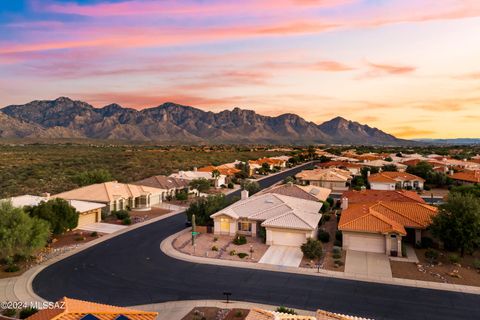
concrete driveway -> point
(368, 264)
(282, 256)
(101, 227)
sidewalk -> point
(20, 288)
(167, 248)
(176, 310)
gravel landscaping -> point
(221, 247)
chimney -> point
(244, 195)
(450, 172)
(344, 205)
(195, 169)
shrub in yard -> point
(476, 264)
(238, 314)
(12, 268)
(336, 249)
(338, 263)
(431, 255)
(427, 242)
(337, 243)
(283, 309)
(127, 221)
(338, 235)
(94, 234)
(242, 255)
(9, 312)
(215, 239)
(27, 312)
(80, 238)
(337, 256)
(239, 240)
(214, 248)
(181, 196)
(454, 258)
(122, 214)
(230, 185)
(323, 236)
(232, 253)
(326, 217)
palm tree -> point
(215, 174)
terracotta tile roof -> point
(259, 314)
(388, 176)
(228, 171)
(76, 309)
(331, 174)
(163, 182)
(311, 193)
(338, 164)
(379, 195)
(386, 216)
(107, 192)
(270, 161)
(469, 176)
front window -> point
(244, 226)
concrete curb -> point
(20, 288)
(167, 248)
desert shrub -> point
(9, 312)
(337, 243)
(283, 309)
(60, 215)
(338, 262)
(476, 264)
(323, 236)
(230, 185)
(427, 242)
(454, 258)
(27, 312)
(214, 248)
(12, 268)
(215, 239)
(239, 240)
(121, 214)
(338, 235)
(326, 217)
(238, 314)
(336, 249)
(336, 256)
(431, 255)
(181, 195)
(127, 221)
(94, 234)
(242, 255)
(79, 238)
(232, 253)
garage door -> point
(281, 238)
(364, 242)
(84, 219)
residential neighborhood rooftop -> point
(163, 182)
(310, 192)
(393, 176)
(354, 196)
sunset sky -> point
(411, 68)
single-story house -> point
(254, 165)
(287, 220)
(366, 196)
(333, 178)
(88, 212)
(226, 171)
(169, 184)
(354, 168)
(389, 180)
(73, 309)
(381, 163)
(195, 174)
(380, 226)
(117, 196)
(309, 192)
(466, 177)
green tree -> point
(289, 179)
(390, 167)
(423, 169)
(251, 186)
(215, 174)
(60, 215)
(458, 222)
(203, 207)
(473, 189)
(201, 184)
(93, 176)
(20, 234)
(312, 249)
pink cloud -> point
(390, 68)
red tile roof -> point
(390, 176)
(468, 176)
(382, 195)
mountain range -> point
(174, 123)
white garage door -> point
(285, 238)
(364, 242)
(84, 219)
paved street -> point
(131, 270)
